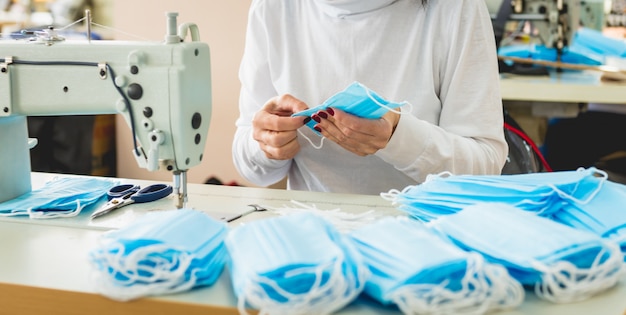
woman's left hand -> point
(360, 136)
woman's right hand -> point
(274, 128)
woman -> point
(439, 56)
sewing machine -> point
(163, 90)
(555, 21)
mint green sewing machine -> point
(163, 90)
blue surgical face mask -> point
(61, 197)
(294, 264)
(564, 264)
(356, 99)
(540, 193)
(602, 215)
(420, 272)
(161, 252)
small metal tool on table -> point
(255, 208)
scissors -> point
(123, 195)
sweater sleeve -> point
(469, 138)
(256, 86)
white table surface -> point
(43, 263)
(565, 87)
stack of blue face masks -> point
(357, 100)
(61, 197)
(161, 252)
(540, 193)
(603, 215)
(563, 263)
(421, 273)
(294, 264)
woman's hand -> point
(274, 128)
(360, 136)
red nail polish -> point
(318, 129)
(316, 118)
(323, 115)
(330, 111)
(306, 120)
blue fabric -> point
(61, 197)
(564, 263)
(598, 43)
(294, 263)
(161, 252)
(604, 215)
(540, 193)
(356, 99)
(413, 267)
(572, 54)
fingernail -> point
(330, 111)
(316, 118)
(318, 129)
(306, 120)
(323, 115)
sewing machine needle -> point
(180, 188)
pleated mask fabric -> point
(420, 272)
(562, 263)
(294, 264)
(162, 252)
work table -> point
(44, 265)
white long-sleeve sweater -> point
(441, 58)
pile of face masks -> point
(162, 252)
(421, 273)
(541, 193)
(583, 199)
(563, 263)
(62, 197)
(357, 100)
(294, 264)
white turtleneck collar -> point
(343, 8)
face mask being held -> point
(356, 99)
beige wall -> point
(222, 26)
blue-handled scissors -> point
(123, 195)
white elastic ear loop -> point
(311, 141)
(619, 238)
(564, 195)
(395, 195)
(506, 292)
(166, 276)
(34, 214)
(484, 287)
(564, 282)
(393, 110)
(129, 265)
(325, 298)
